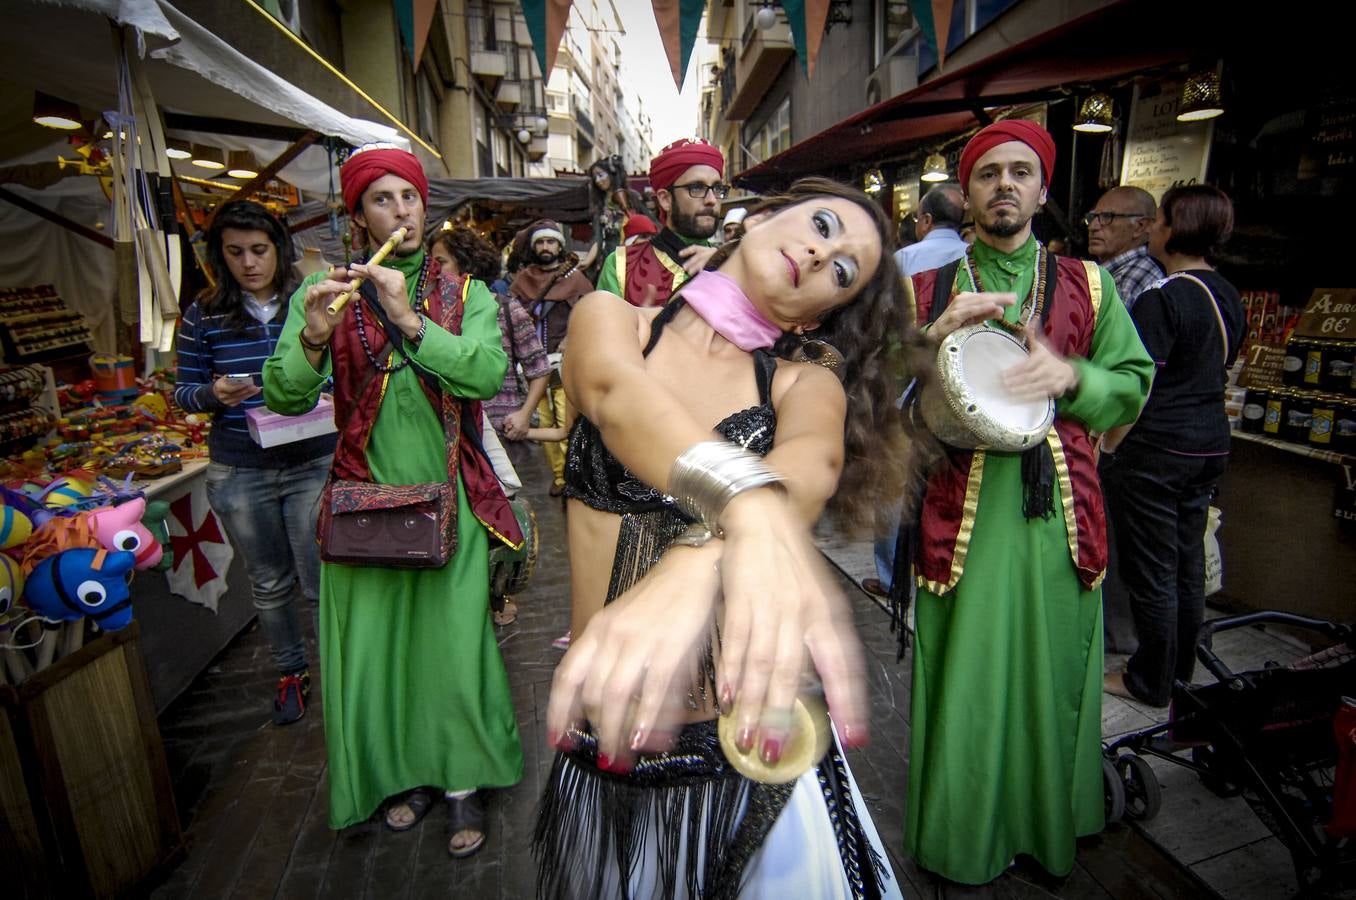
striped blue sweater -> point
(205, 350)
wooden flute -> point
(338, 304)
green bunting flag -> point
(546, 21)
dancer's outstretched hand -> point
(629, 671)
(779, 603)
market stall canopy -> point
(1111, 42)
(65, 49)
(516, 200)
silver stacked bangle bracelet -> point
(709, 474)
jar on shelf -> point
(1321, 419)
(1344, 427)
(1254, 410)
(1292, 368)
(1298, 412)
(1278, 404)
(1337, 366)
(1314, 355)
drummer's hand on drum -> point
(781, 604)
(627, 674)
(970, 309)
(320, 322)
(1044, 373)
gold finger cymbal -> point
(806, 745)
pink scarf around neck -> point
(723, 306)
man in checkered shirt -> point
(1118, 238)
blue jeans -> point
(269, 515)
(1157, 503)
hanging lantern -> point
(1095, 115)
(934, 168)
(873, 182)
(1200, 98)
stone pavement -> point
(253, 797)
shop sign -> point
(1330, 313)
(1264, 366)
(1344, 498)
(1161, 152)
(1331, 150)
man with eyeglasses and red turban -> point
(1005, 747)
(686, 177)
(415, 692)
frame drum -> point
(970, 407)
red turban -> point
(636, 224)
(1029, 133)
(681, 155)
(366, 166)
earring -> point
(821, 353)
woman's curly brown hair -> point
(475, 256)
(881, 349)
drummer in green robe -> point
(416, 699)
(1005, 749)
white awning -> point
(65, 48)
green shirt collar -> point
(1014, 263)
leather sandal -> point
(417, 801)
(465, 814)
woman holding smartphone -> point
(266, 498)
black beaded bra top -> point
(595, 476)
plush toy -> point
(82, 582)
(11, 587)
(156, 520)
(108, 527)
(15, 526)
(72, 490)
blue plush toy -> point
(82, 582)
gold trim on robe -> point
(1094, 273)
(967, 527)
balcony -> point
(508, 95)
(761, 58)
(489, 67)
(583, 120)
(536, 150)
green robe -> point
(1005, 747)
(414, 687)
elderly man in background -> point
(686, 177)
(1118, 238)
(936, 231)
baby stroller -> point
(1283, 736)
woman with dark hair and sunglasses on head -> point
(1160, 477)
(700, 458)
(266, 498)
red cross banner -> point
(202, 555)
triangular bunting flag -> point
(678, 21)
(806, 18)
(546, 21)
(934, 20)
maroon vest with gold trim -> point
(357, 399)
(949, 506)
(647, 265)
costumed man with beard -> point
(415, 692)
(1005, 753)
(548, 288)
(686, 178)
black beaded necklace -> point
(362, 329)
(1035, 300)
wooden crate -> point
(87, 802)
